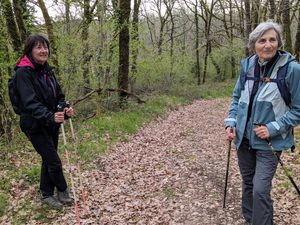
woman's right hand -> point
(230, 133)
(59, 117)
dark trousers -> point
(45, 143)
(257, 168)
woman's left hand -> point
(69, 111)
(262, 132)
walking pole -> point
(280, 162)
(78, 165)
(284, 168)
(227, 171)
(60, 109)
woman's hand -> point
(69, 111)
(262, 132)
(59, 117)
(230, 133)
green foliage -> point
(156, 75)
(5, 183)
(3, 203)
(223, 57)
(168, 192)
(208, 90)
(32, 174)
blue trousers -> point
(257, 168)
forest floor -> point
(172, 172)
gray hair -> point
(261, 29)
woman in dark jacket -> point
(40, 94)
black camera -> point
(62, 105)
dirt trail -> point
(172, 172)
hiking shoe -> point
(64, 197)
(52, 202)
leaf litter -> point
(172, 172)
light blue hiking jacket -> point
(268, 106)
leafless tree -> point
(88, 13)
(134, 41)
(6, 115)
(297, 38)
(193, 7)
(19, 11)
(124, 9)
(286, 25)
(11, 25)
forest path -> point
(172, 172)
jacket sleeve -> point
(60, 95)
(230, 121)
(29, 99)
(292, 117)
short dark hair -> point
(32, 41)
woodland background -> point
(137, 47)
(121, 62)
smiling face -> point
(266, 46)
(40, 53)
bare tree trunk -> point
(160, 38)
(205, 62)
(149, 24)
(248, 23)
(218, 76)
(11, 25)
(163, 18)
(297, 39)
(108, 67)
(19, 9)
(232, 59)
(169, 5)
(286, 25)
(101, 10)
(172, 44)
(272, 9)
(197, 46)
(85, 51)
(88, 12)
(255, 13)
(206, 16)
(123, 49)
(240, 9)
(67, 15)
(6, 114)
(112, 46)
(135, 42)
(52, 38)
(184, 37)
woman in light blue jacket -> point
(259, 97)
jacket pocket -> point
(28, 124)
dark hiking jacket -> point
(39, 94)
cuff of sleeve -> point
(230, 122)
(50, 121)
(273, 128)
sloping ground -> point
(173, 172)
